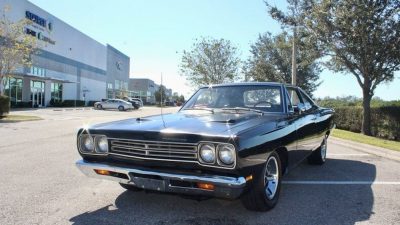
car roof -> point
(246, 84)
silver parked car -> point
(119, 104)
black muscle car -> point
(230, 141)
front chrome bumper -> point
(225, 187)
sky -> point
(154, 33)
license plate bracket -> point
(149, 183)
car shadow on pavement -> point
(298, 204)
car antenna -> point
(161, 101)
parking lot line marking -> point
(341, 182)
(348, 154)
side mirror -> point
(299, 109)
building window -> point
(110, 94)
(13, 89)
(109, 86)
(37, 71)
(117, 84)
(56, 92)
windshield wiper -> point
(207, 109)
(237, 109)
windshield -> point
(265, 98)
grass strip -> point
(348, 135)
(18, 118)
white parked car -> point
(119, 104)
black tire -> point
(136, 106)
(130, 187)
(99, 106)
(318, 157)
(256, 199)
(121, 108)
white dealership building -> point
(69, 64)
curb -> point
(374, 150)
(71, 109)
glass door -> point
(37, 93)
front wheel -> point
(264, 194)
(318, 157)
(99, 107)
(121, 108)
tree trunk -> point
(366, 123)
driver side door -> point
(304, 124)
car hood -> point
(205, 124)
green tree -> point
(292, 20)
(270, 61)
(361, 37)
(210, 61)
(160, 94)
(181, 98)
(16, 47)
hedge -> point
(4, 105)
(21, 105)
(385, 120)
(67, 103)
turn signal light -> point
(205, 186)
(250, 177)
(102, 172)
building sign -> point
(43, 23)
(36, 19)
(118, 65)
(40, 36)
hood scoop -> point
(224, 121)
(231, 119)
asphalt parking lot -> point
(41, 185)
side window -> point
(288, 102)
(307, 101)
(293, 96)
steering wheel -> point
(258, 103)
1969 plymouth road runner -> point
(228, 141)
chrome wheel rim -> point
(271, 178)
(323, 150)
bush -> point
(71, 103)
(385, 120)
(21, 104)
(67, 103)
(4, 105)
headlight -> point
(207, 153)
(86, 143)
(101, 144)
(226, 154)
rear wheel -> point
(130, 187)
(264, 194)
(318, 157)
(121, 108)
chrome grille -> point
(154, 150)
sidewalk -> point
(374, 150)
(51, 109)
